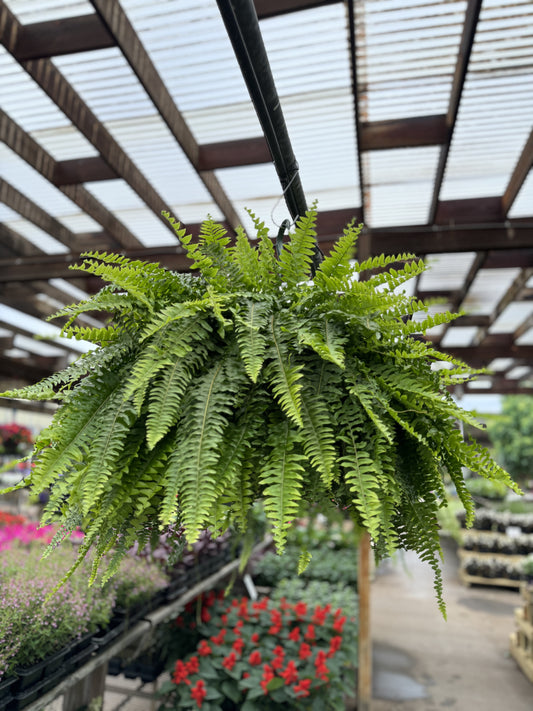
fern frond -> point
(337, 266)
(281, 481)
(250, 329)
(283, 377)
(317, 436)
(326, 340)
(297, 256)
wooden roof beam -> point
(40, 160)
(520, 173)
(82, 170)
(67, 35)
(116, 21)
(404, 133)
(473, 9)
(229, 154)
(272, 8)
(470, 211)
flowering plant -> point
(260, 655)
(15, 439)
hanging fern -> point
(250, 381)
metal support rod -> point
(242, 26)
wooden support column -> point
(85, 690)
(364, 682)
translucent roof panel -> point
(37, 327)
(523, 205)
(186, 42)
(223, 123)
(28, 181)
(519, 372)
(499, 364)
(401, 185)
(406, 55)
(101, 75)
(446, 272)
(512, 317)
(64, 143)
(487, 289)
(128, 207)
(154, 150)
(28, 11)
(24, 101)
(33, 345)
(459, 337)
(494, 118)
(36, 236)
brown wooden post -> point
(364, 682)
(84, 691)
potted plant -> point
(249, 380)
(265, 655)
(15, 439)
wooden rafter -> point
(404, 133)
(119, 26)
(271, 8)
(473, 9)
(34, 154)
(520, 173)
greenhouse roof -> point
(415, 118)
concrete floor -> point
(423, 663)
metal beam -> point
(42, 40)
(404, 133)
(126, 38)
(522, 168)
(352, 32)
(473, 9)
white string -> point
(279, 200)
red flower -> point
(310, 632)
(229, 661)
(199, 692)
(338, 624)
(255, 658)
(305, 651)
(224, 619)
(294, 634)
(205, 614)
(321, 657)
(302, 688)
(179, 621)
(322, 672)
(193, 665)
(268, 675)
(334, 645)
(260, 604)
(255, 637)
(274, 630)
(219, 638)
(245, 675)
(320, 615)
(238, 645)
(204, 650)
(279, 651)
(180, 672)
(277, 663)
(290, 674)
(300, 609)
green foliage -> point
(333, 566)
(486, 488)
(512, 436)
(250, 381)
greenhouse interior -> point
(266, 345)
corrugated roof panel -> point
(64, 143)
(190, 48)
(24, 101)
(512, 317)
(80, 222)
(28, 11)
(488, 287)
(401, 185)
(446, 272)
(519, 372)
(456, 337)
(34, 346)
(500, 364)
(523, 205)
(107, 84)
(31, 183)
(128, 207)
(154, 150)
(36, 236)
(494, 118)
(526, 339)
(223, 123)
(406, 56)
(37, 327)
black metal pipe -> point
(242, 26)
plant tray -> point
(490, 582)
(521, 658)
